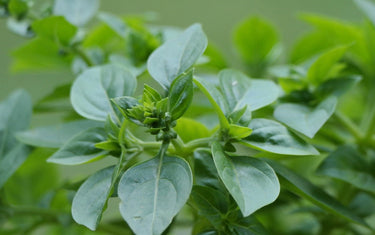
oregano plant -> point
(182, 138)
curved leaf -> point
(273, 137)
(91, 198)
(153, 192)
(252, 182)
(77, 12)
(92, 90)
(177, 55)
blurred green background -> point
(218, 18)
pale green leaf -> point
(77, 12)
(190, 129)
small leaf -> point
(177, 55)
(153, 192)
(251, 182)
(239, 132)
(18, 8)
(368, 8)
(115, 23)
(320, 69)
(55, 136)
(347, 164)
(273, 137)
(77, 12)
(80, 148)
(92, 90)
(190, 129)
(56, 29)
(304, 119)
(302, 187)
(91, 198)
(180, 95)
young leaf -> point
(115, 23)
(77, 12)
(92, 90)
(153, 192)
(273, 137)
(368, 8)
(348, 165)
(251, 182)
(55, 136)
(304, 188)
(190, 129)
(320, 69)
(91, 198)
(239, 132)
(80, 148)
(55, 28)
(177, 55)
(304, 119)
(180, 95)
(255, 39)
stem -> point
(81, 53)
(198, 143)
(349, 125)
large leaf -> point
(205, 173)
(251, 182)
(55, 136)
(177, 55)
(273, 137)
(92, 90)
(153, 192)
(77, 12)
(304, 119)
(91, 198)
(80, 148)
(367, 7)
(190, 129)
(304, 188)
(347, 164)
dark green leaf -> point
(153, 192)
(180, 95)
(273, 137)
(91, 198)
(92, 90)
(77, 12)
(55, 136)
(177, 55)
(337, 86)
(347, 164)
(304, 119)
(252, 183)
(18, 8)
(247, 226)
(80, 148)
(205, 173)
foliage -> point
(199, 142)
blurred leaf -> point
(105, 38)
(22, 28)
(55, 28)
(216, 58)
(115, 23)
(190, 129)
(302, 187)
(273, 137)
(368, 8)
(18, 8)
(177, 55)
(80, 148)
(55, 136)
(91, 198)
(363, 204)
(251, 182)
(347, 164)
(77, 12)
(247, 226)
(304, 119)
(92, 90)
(337, 86)
(153, 192)
(255, 40)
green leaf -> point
(347, 164)
(321, 68)
(56, 29)
(180, 95)
(205, 173)
(302, 187)
(115, 23)
(77, 12)
(247, 226)
(239, 132)
(91, 198)
(273, 137)
(92, 90)
(368, 8)
(80, 148)
(177, 55)
(153, 192)
(304, 119)
(21, 28)
(18, 8)
(337, 86)
(251, 182)
(11, 161)
(55, 136)
(190, 129)
(255, 40)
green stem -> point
(198, 143)
(349, 125)
(81, 53)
